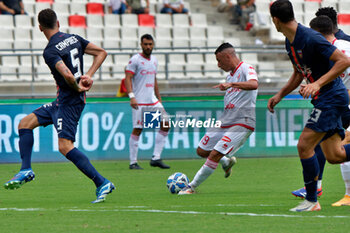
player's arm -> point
(128, 85)
(99, 56)
(69, 77)
(293, 82)
(251, 84)
(156, 90)
(341, 63)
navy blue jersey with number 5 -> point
(70, 49)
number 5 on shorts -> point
(59, 124)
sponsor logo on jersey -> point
(229, 106)
(146, 72)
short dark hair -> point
(283, 10)
(223, 46)
(47, 18)
(322, 24)
(330, 12)
(147, 37)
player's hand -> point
(223, 86)
(309, 90)
(273, 101)
(133, 103)
(85, 83)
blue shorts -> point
(326, 120)
(345, 118)
(64, 117)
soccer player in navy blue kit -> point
(64, 56)
(320, 64)
(340, 35)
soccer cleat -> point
(187, 190)
(158, 163)
(102, 191)
(135, 166)
(228, 168)
(345, 201)
(20, 179)
(302, 192)
(307, 206)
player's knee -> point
(64, 148)
(303, 149)
(27, 122)
(202, 153)
(335, 160)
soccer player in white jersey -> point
(237, 120)
(324, 25)
(142, 88)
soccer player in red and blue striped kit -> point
(320, 64)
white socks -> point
(206, 170)
(319, 184)
(345, 171)
(159, 144)
(133, 148)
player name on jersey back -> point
(67, 42)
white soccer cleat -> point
(307, 206)
(228, 168)
(187, 190)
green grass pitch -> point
(256, 198)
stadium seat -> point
(41, 6)
(77, 8)
(181, 20)
(77, 21)
(197, 37)
(38, 36)
(5, 46)
(43, 73)
(210, 58)
(78, 31)
(330, 3)
(215, 32)
(161, 72)
(6, 21)
(266, 69)
(193, 71)
(195, 58)
(177, 59)
(344, 19)
(310, 6)
(164, 20)
(298, 7)
(212, 71)
(250, 58)
(95, 35)
(182, 44)
(180, 33)
(61, 8)
(47, 1)
(146, 20)
(38, 45)
(121, 60)
(163, 44)
(199, 20)
(129, 20)
(21, 44)
(129, 33)
(25, 73)
(176, 71)
(29, 6)
(145, 30)
(94, 8)
(118, 72)
(161, 59)
(111, 34)
(163, 33)
(6, 34)
(23, 21)
(112, 45)
(94, 21)
(214, 42)
(129, 44)
(10, 60)
(236, 42)
(23, 34)
(106, 72)
(112, 21)
(8, 73)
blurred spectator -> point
(135, 7)
(173, 7)
(12, 7)
(241, 12)
(116, 6)
(226, 6)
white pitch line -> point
(177, 212)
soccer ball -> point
(176, 182)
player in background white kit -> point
(142, 88)
(237, 120)
(323, 24)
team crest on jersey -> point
(300, 53)
(226, 139)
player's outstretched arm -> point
(69, 77)
(293, 82)
(99, 56)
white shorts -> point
(227, 141)
(137, 114)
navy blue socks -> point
(26, 141)
(311, 170)
(82, 162)
(321, 160)
(347, 150)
